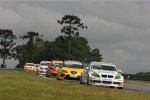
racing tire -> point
(58, 78)
(81, 82)
(112, 87)
(88, 80)
(120, 88)
(47, 75)
(37, 73)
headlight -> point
(63, 71)
(118, 76)
(95, 74)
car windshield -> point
(74, 65)
(103, 67)
(30, 64)
(57, 64)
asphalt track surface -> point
(130, 86)
(139, 87)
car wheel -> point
(120, 87)
(112, 87)
(46, 75)
(37, 73)
(88, 80)
(81, 82)
(58, 78)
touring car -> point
(30, 67)
(53, 68)
(42, 68)
(102, 74)
(70, 69)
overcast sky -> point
(120, 29)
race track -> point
(131, 86)
(140, 87)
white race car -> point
(102, 74)
(42, 68)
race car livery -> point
(71, 69)
(30, 67)
(42, 68)
(102, 74)
(57, 63)
(53, 68)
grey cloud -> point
(27, 18)
(133, 14)
(119, 29)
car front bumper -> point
(69, 76)
(42, 72)
(108, 82)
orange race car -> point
(53, 68)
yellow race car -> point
(30, 67)
(70, 70)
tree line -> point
(69, 45)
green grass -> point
(17, 85)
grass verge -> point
(17, 85)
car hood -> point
(72, 69)
(43, 66)
(29, 66)
(105, 72)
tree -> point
(143, 73)
(39, 49)
(80, 48)
(20, 55)
(22, 52)
(30, 44)
(56, 49)
(71, 25)
(94, 55)
(6, 45)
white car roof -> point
(102, 63)
(45, 62)
(72, 62)
(57, 61)
(30, 63)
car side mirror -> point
(119, 71)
